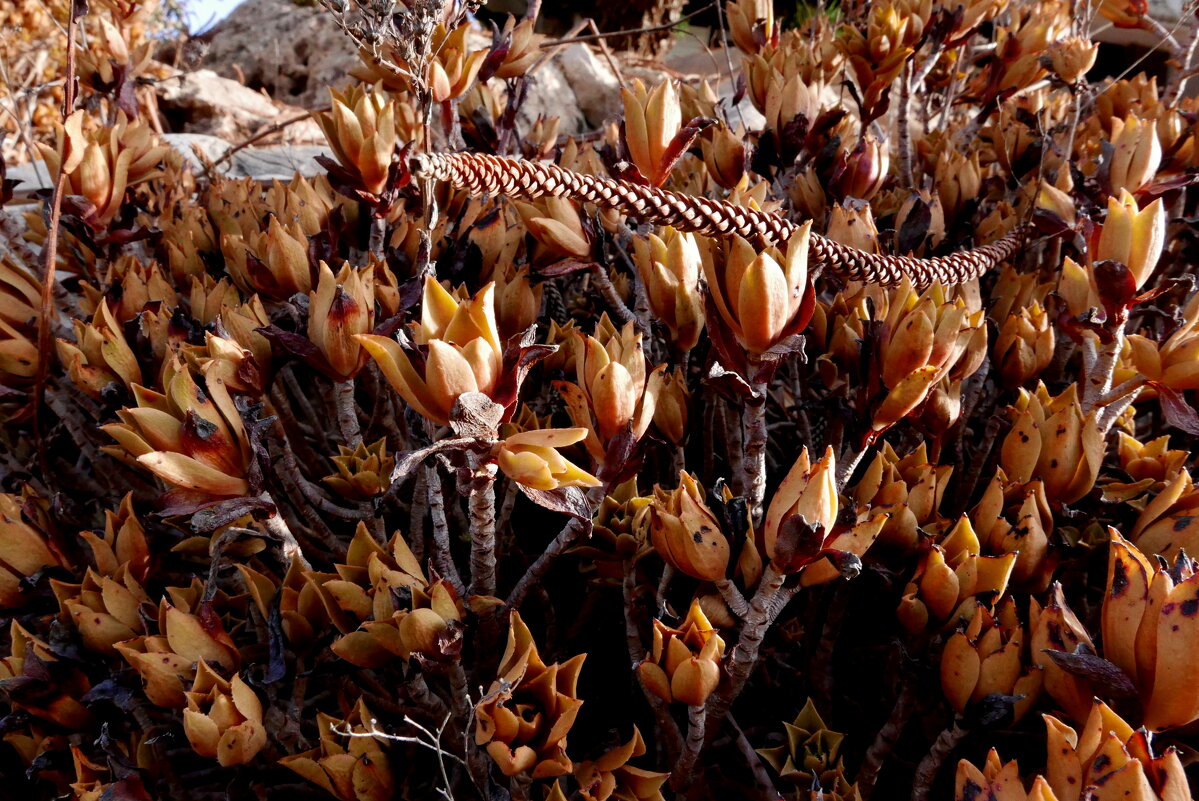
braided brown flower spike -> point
(512, 177)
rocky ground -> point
(259, 72)
(255, 76)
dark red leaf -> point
(773, 358)
(729, 384)
(1117, 288)
(1178, 412)
(1105, 676)
(566, 267)
(566, 500)
(681, 142)
(914, 228)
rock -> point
(293, 52)
(551, 95)
(210, 147)
(596, 89)
(277, 162)
(204, 102)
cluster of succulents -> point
(364, 485)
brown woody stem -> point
(903, 134)
(733, 598)
(885, 741)
(762, 780)
(477, 763)
(615, 302)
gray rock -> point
(281, 163)
(596, 89)
(550, 95)
(204, 102)
(293, 52)
(210, 147)
(30, 177)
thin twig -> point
(263, 134)
(566, 538)
(762, 780)
(591, 37)
(51, 257)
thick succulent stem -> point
(904, 136)
(930, 766)
(347, 415)
(733, 598)
(753, 420)
(1102, 369)
(682, 775)
(763, 609)
(482, 532)
(378, 238)
(443, 559)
